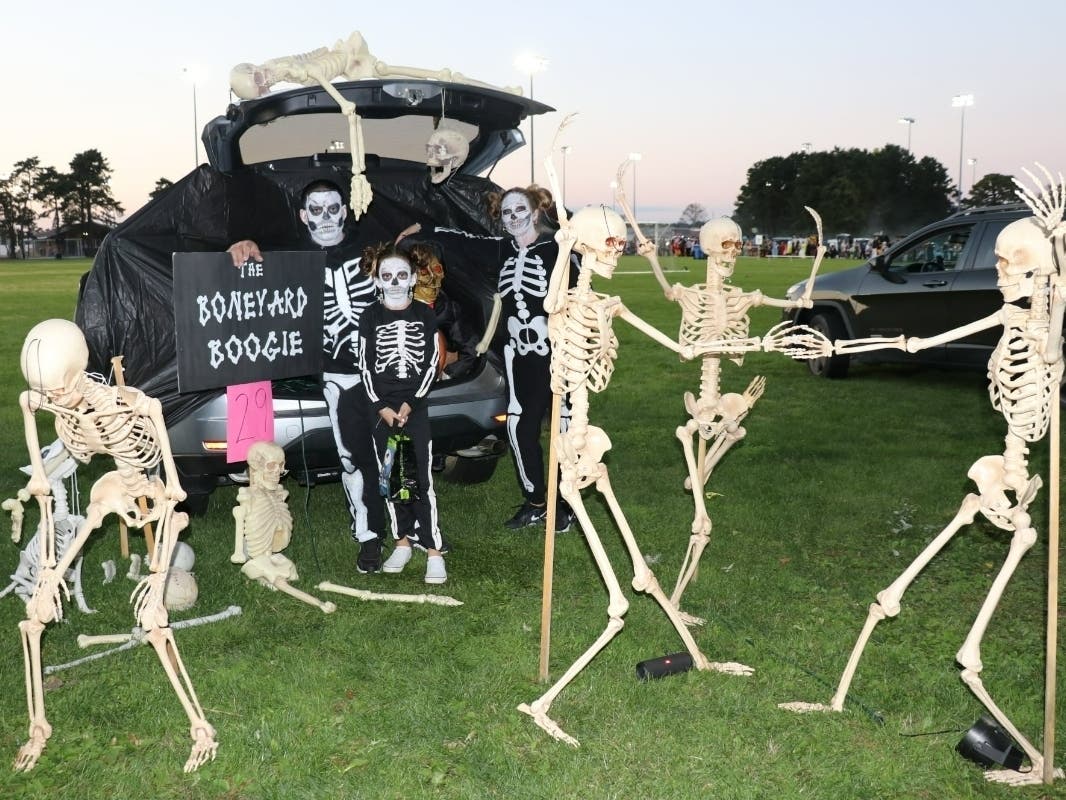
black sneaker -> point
(369, 559)
(564, 518)
(527, 514)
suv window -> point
(985, 258)
(935, 253)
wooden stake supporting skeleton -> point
(264, 526)
(1024, 371)
(584, 349)
(124, 424)
(351, 60)
(715, 316)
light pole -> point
(531, 64)
(973, 171)
(635, 157)
(806, 147)
(613, 185)
(961, 101)
(908, 121)
(566, 148)
(190, 74)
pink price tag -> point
(249, 418)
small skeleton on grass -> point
(715, 317)
(1023, 371)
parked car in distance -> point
(262, 152)
(938, 278)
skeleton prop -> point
(1024, 372)
(446, 151)
(715, 315)
(363, 594)
(134, 638)
(127, 426)
(59, 465)
(350, 60)
(264, 526)
(584, 349)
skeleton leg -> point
(152, 616)
(701, 523)
(43, 607)
(887, 604)
(616, 609)
(969, 656)
(283, 585)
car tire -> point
(466, 469)
(836, 366)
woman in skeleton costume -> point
(526, 259)
(348, 292)
(398, 353)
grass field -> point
(835, 489)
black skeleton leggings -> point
(424, 510)
(529, 386)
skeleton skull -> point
(249, 81)
(396, 282)
(266, 463)
(1023, 253)
(721, 240)
(323, 214)
(600, 238)
(446, 150)
(54, 358)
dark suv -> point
(936, 279)
(262, 152)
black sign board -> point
(250, 323)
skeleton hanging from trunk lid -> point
(122, 423)
(714, 315)
(1023, 372)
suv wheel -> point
(835, 366)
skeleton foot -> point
(803, 708)
(203, 748)
(31, 751)
(1013, 777)
(690, 619)
(731, 668)
(549, 725)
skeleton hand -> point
(244, 251)
(1049, 205)
(797, 341)
(15, 506)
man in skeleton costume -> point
(1023, 371)
(526, 258)
(398, 353)
(348, 292)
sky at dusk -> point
(701, 89)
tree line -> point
(34, 192)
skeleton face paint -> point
(396, 282)
(323, 214)
(518, 218)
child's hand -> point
(403, 414)
(388, 416)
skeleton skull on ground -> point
(446, 151)
(54, 358)
(323, 213)
(1023, 254)
(266, 463)
(395, 281)
(600, 235)
(721, 240)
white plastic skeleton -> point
(715, 316)
(584, 349)
(124, 424)
(59, 466)
(351, 60)
(1023, 371)
(264, 526)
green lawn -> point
(835, 489)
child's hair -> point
(320, 185)
(422, 256)
(539, 199)
(374, 254)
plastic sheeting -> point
(125, 305)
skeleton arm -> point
(240, 516)
(645, 247)
(914, 344)
(557, 284)
(686, 352)
(1053, 346)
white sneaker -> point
(398, 560)
(435, 572)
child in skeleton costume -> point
(526, 259)
(398, 354)
(348, 291)
(1025, 368)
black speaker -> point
(663, 666)
(988, 744)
